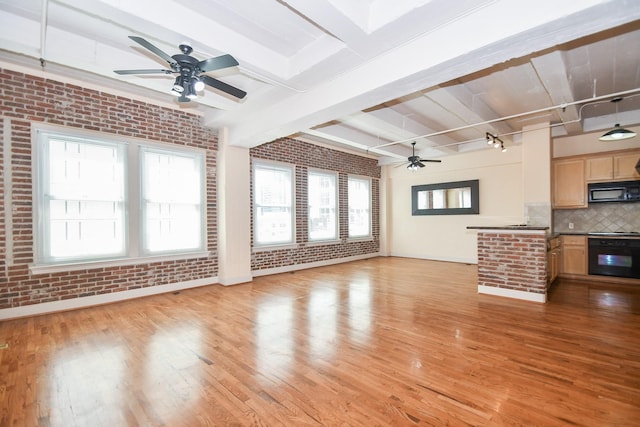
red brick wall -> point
(25, 99)
(514, 261)
(304, 156)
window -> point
(82, 199)
(322, 212)
(359, 207)
(273, 204)
(171, 201)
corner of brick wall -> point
(514, 261)
(304, 156)
(27, 99)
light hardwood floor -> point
(380, 342)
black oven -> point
(614, 257)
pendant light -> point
(617, 133)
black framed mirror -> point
(446, 198)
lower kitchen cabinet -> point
(574, 255)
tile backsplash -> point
(538, 214)
(604, 217)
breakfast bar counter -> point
(512, 261)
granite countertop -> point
(600, 233)
(507, 227)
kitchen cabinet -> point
(569, 188)
(624, 166)
(571, 175)
(574, 255)
(553, 259)
(598, 169)
(616, 167)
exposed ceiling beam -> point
(401, 71)
(551, 70)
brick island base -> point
(513, 262)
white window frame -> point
(76, 197)
(276, 166)
(336, 208)
(173, 200)
(133, 252)
(353, 178)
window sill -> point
(324, 242)
(76, 266)
(360, 239)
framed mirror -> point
(447, 198)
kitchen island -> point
(512, 261)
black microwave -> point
(625, 191)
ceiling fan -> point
(415, 162)
(189, 71)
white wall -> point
(445, 237)
(589, 143)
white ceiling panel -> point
(357, 74)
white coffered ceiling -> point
(369, 75)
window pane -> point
(322, 206)
(273, 209)
(82, 194)
(172, 208)
(359, 207)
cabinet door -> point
(574, 255)
(554, 264)
(624, 166)
(569, 187)
(599, 169)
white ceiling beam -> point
(332, 137)
(394, 126)
(551, 69)
(407, 68)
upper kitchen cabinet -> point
(599, 169)
(571, 175)
(569, 189)
(624, 166)
(612, 167)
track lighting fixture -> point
(617, 133)
(495, 141)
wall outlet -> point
(570, 226)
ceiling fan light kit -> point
(190, 79)
(415, 162)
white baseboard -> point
(82, 302)
(512, 293)
(229, 281)
(295, 267)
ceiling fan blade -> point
(217, 84)
(123, 72)
(142, 42)
(183, 98)
(223, 61)
(432, 161)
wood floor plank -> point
(379, 342)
